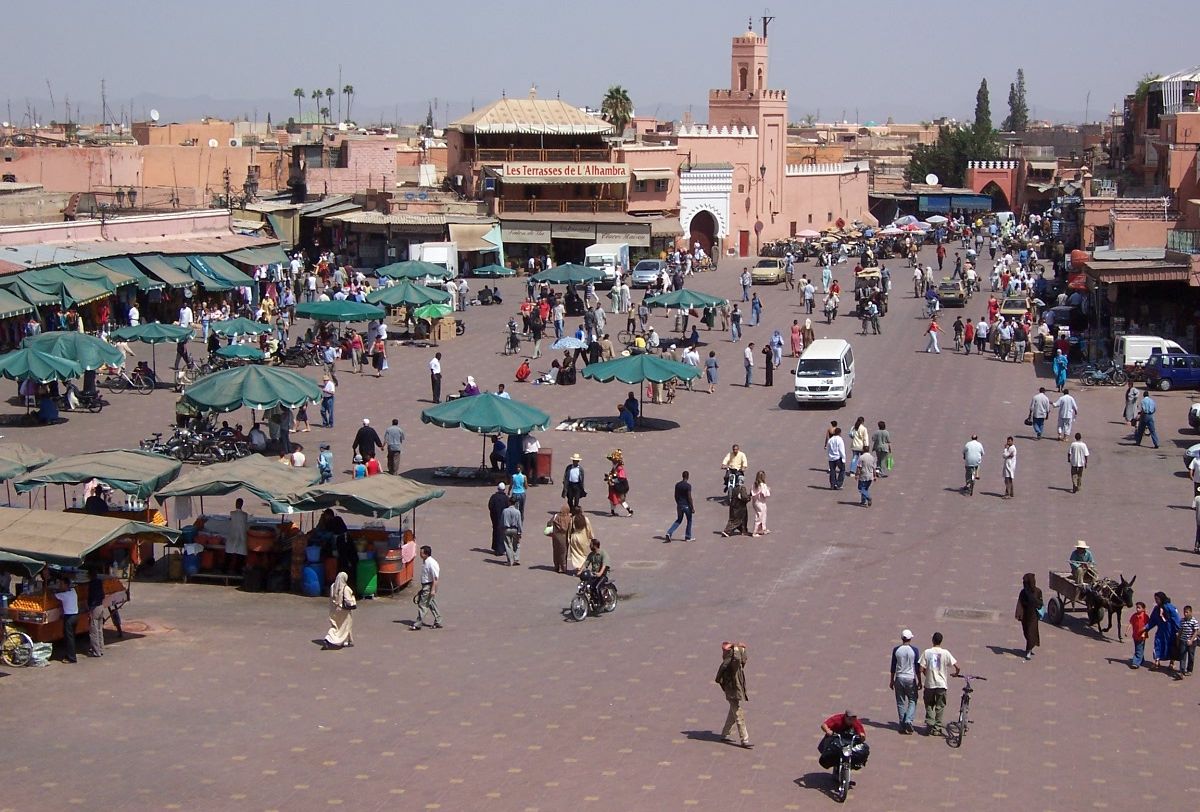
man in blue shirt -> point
(1146, 420)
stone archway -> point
(703, 230)
(999, 199)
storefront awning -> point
(126, 266)
(1127, 271)
(12, 305)
(636, 234)
(526, 233)
(574, 231)
(157, 266)
(472, 237)
(220, 269)
(263, 255)
(653, 174)
(666, 227)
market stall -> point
(486, 414)
(66, 542)
(17, 459)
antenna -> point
(51, 96)
(766, 20)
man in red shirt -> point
(941, 255)
(845, 722)
(968, 337)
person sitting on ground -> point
(626, 416)
(652, 340)
(360, 469)
(551, 376)
(258, 439)
(469, 387)
(523, 371)
(632, 406)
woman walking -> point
(618, 484)
(1060, 370)
(517, 489)
(797, 341)
(1028, 614)
(560, 526)
(807, 336)
(579, 539)
(1164, 620)
(1131, 405)
(379, 357)
(860, 440)
(759, 495)
(710, 370)
(341, 614)
(738, 516)
(1009, 455)
(776, 345)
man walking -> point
(972, 459)
(731, 676)
(835, 452)
(936, 663)
(684, 507)
(1146, 420)
(435, 376)
(573, 485)
(328, 389)
(905, 680)
(745, 280)
(881, 445)
(510, 520)
(366, 440)
(866, 471)
(1077, 458)
(749, 363)
(1068, 410)
(1039, 410)
(393, 440)
(426, 600)
(810, 297)
(497, 504)
(1010, 466)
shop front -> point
(1158, 297)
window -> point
(829, 217)
(792, 229)
(741, 188)
(742, 72)
(639, 186)
(661, 185)
(810, 219)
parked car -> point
(1016, 306)
(952, 293)
(768, 272)
(1173, 370)
(646, 273)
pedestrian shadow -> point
(822, 782)
(1178, 549)
(1003, 651)
(851, 503)
(704, 736)
(1062, 488)
(995, 494)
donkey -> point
(1107, 595)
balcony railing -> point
(561, 206)
(1184, 240)
(499, 156)
(1143, 208)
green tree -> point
(299, 94)
(1018, 108)
(948, 156)
(983, 108)
(328, 102)
(316, 97)
(617, 109)
(349, 91)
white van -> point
(825, 371)
(607, 256)
(1131, 350)
(438, 253)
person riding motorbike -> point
(594, 571)
(733, 467)
(833, 728)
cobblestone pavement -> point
(222, 700)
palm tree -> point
(617, 109)
(316, 97)
(349, 91)
(325, 113)
(328, 102)
(299, 94)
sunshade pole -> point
(64, 487)
(45, 499)
(483, 453)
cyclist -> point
(594, 571)
(959, 327)
(833, 727)
(734, 463)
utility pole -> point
(766, 20)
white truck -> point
(608, 255)
(438, 253)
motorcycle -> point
(1109, 374)
(584, 603)
(733, 478)
(843, 752)
(91, 400)
(300, 355)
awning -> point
(252, 226)
(280, 228)
(137, 473)
(220, 268)
(665, 227)
(126, 266)
(380, 497)
(574, 231)
(653, 174)
(65, 538)
(526, 233)
(12, 305)
(34, 296)
(329, 211)
(263, 255)
(209, 283)
(1044, 165)
(472, 236)
(636, 234)
(262, 476)
(1116, 276)
(95, 272)
(158, 267)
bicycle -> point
(955, 737)
(122, 380)
(17, 647)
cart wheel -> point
(1054, 611)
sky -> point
(862, 61)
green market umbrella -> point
(640, 368)
(252, 386)
(243, 352)
(87, 350)
(262, 476)
(339, 310)
(487, 414)
(31, 364)
(239, 327)
(685, 298)
(380, 497)
(493, 271)
(153, 332)
(569, 273)
(413, 269)
(408, 293)
(432, 311)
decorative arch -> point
(999, 199)
(717, 216)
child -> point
(1137, 624)
(302, 417)
(1188, 629)
(360, 470)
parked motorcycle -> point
(1105, 374)
(91, 401)
(584, 603)
(300, 355)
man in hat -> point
(845, 722)
(1083, 563)
(573, 484)
(731, 676)
(366, 440)
(328, 388)
(496, 505)
(905, 680)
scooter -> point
(1110, 375)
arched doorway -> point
(703, 230)
(999, 199)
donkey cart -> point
(1096, 597)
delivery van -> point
(438, 253)
(1128, 351)
(825, 372)
(607, 256)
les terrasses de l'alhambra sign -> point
(565, 172)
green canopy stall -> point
(413, 269)
(336, 311)
(137, 473)
(486, 414)
(252, 386)
(638, 369)
(262, 476)
(380, 497)
(232, 328)
(569, 273)
(29, 363)
(88, 351)
(408, 293)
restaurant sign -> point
(565, 172)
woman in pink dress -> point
(759, 495)
(797, 343)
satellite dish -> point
(154, 115)
(5, 124)
(213, 143)
(931, 179)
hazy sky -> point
(911, 60)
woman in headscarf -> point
(1060, 370)
(341, 614)
(738, 515)
(759, 495)
(579, 540)
(560, 528)
(797, 339)
(776, 345)
(1131, 404)
(469, 387)
(1029, 607)
(1164, 620)
(807, 335)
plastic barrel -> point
(310, 582)
(191, 563)
(312, 553)
(367, 578)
